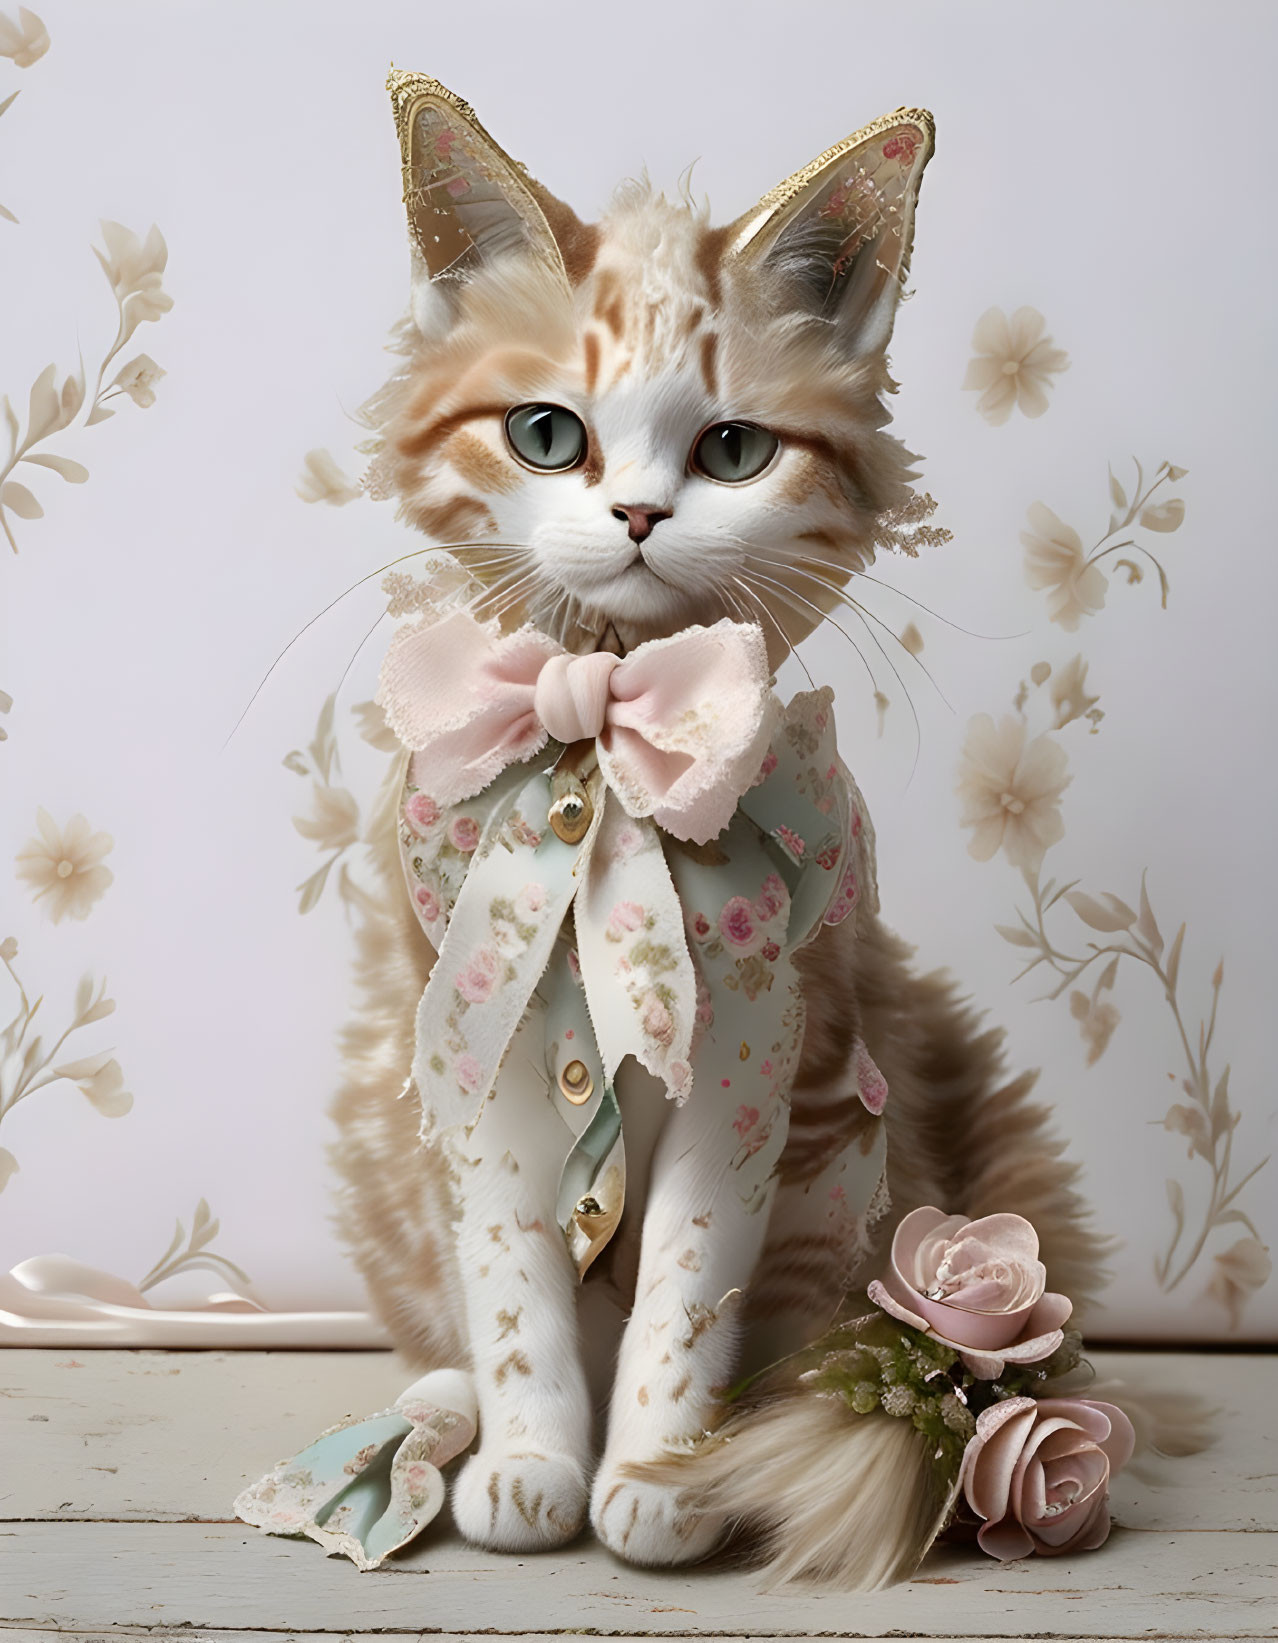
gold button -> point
(588, 1208)
(570, 816)
(576, 1083)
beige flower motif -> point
(1097, 1020)
(1011, 790)
(335, 823)
(8, 949)
(1239, 1272)
(1054, 559)
(135, 268)
(101, 1080)
(1069, 693)
(8, 1167)
(25, 41)
(321, 480)
(1013, 365)
(137, 379)
(65, 864)
(370, 721)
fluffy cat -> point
(706, 439)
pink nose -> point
(640, 520)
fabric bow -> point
(681, 724)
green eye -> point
(546, 436)
(734, 451)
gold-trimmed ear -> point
(844, 224)
(467, 201)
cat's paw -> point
(519, 1501)
(644, 1523)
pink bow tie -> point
(682, 724)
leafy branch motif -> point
(24, 43)
(26, 1066)
(1207, 1121)
(193, 1254)
(334, 822)
(1011, 791)
(1076, 584)
(135, 269)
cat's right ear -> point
(468, 202)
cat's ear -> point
(841, 229)
(468, 202)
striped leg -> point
(526, 1486)
(705, 1223)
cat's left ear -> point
(841, 229)
(468, 202)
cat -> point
(623, 430)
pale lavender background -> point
(1108, 165)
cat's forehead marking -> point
(649, 301)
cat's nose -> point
(640, 520)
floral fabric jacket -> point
(630, 941)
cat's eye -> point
(546, 437)
(733, 452)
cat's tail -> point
(824, 1496)
(394, 1197)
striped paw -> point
(519, 1501)
(643, 1522)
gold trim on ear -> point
(757, 230)
(409, 94)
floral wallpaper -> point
(1054, 711)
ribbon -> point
(681, 724)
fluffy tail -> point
(828, 1496)
(394, 1194)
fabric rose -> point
(1038, 1472)
(977, 1286)
(421, 813)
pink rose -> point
(476, 982)
(532, 898)
(793, 844)
(770, 762)
(773, 898)
(871, 1085)
(700, 927)
(464, 833)
(625, 917)
(626, 841)
(844, 903)
(738, 928)
(977, 1286)
(771, 951)
(746, 1119)
(679, 1081)
(657, 1021)
(467, 1072)
(829, 856)
(1038, 1472)
(427, 903)
(421, 813)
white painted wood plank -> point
(122, 1633)
(93, 1576)
(161, 1435)
(176, 1435)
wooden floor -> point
(117, 1470)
